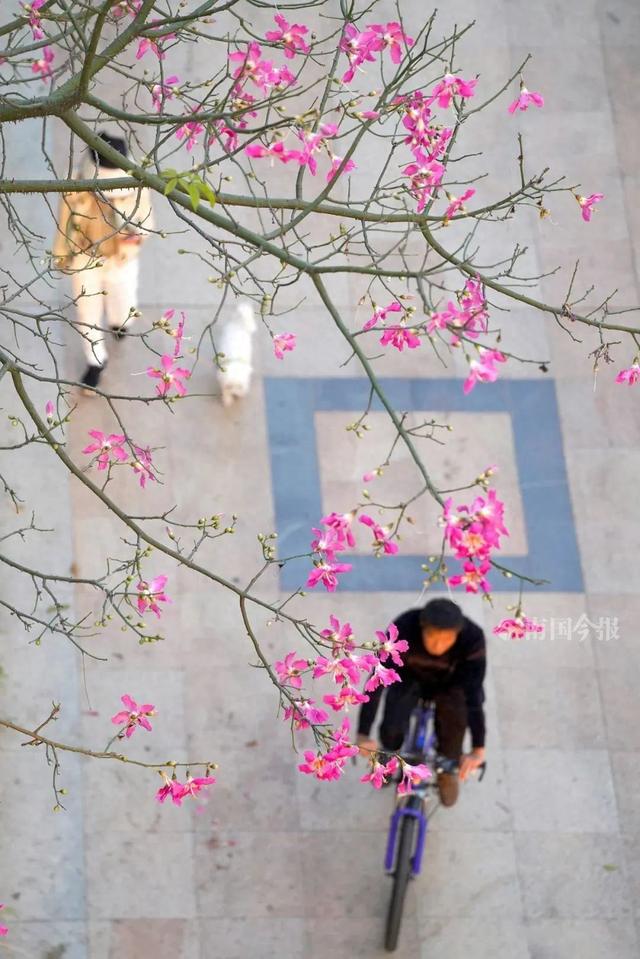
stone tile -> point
(258, 875)
(617, 617)
(269, 938)
(356, 893)
(600, 418)
(41, 871)
(469, 875)
(606, 540)
(556, 790)
(562, 88)
(454, 459)
(572, 876)
(120, 798)
(556, 23)
(359, 937)
(620, 704)
(621, 68)
(589, 939)
(165, 938)
(619, 22)
(631, 846)
(542, 710)
(46, 940)
(444, 938)
(484, 805)
(145, 859)
(626, 779)
(562, 643)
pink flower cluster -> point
(517, 628)
(380, 773)
(3, 929)
(483, 370)
(262, 73)
(161, 92)
(336, 537)
(398, 335)
(468, 317)
(283, 343)
(312, 145)
(110, 449)
(428, 142)
(178, 791)
(154, 44)
(473, 532)
(133, 716)
(362, 46)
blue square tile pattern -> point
(532, 405)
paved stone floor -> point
(541, 861)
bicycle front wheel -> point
(401, 878)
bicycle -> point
(409, 820)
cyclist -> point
(445, 663)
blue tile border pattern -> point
(291, 403)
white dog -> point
(234, 373)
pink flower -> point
(107, 447)
(524, 101)
(381, 676)
(473, 577)
(336, 162)
(483, 370)
(379, 774)
(43, 66)
(142, 465)
(282, 343)
(170, 375)
(178, 333)
(390, 645)
(290, 34)
(340, 523)
(391, 38)
(426, 174)
(348, 696)
(412, 776)
(50, 411)
(189, 132)
(3, 929)
(630, 376)
(276, 151)
(317, 764)
(325, 573)
(380, 535)
(358, 48)
(151, 593)
(400, 336)
(161, 92)
(171, 788)
(449, 87)
(327, 541)
(193, 787)
(473, 531)
(289, 670)
(31, 10)
(155, 44)
(457, 203)
(368, 477)
(517, 628)
(312, 143)
(343, 748)
(587, 203)
(133, 715)
(305, 713)
(339, 635)
(380, 314)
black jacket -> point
(461, 666)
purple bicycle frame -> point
(417, 743)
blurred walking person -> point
(98, 242)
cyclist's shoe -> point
(448, 787)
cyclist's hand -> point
(470, 762)
(366, 745)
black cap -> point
(116, 143)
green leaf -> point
(171, 185)
(169, 173)
(610, 867)
(208, 193)
(193, 189)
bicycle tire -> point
(401, 876)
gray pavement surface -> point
(541, 861)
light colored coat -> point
(91, 227)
